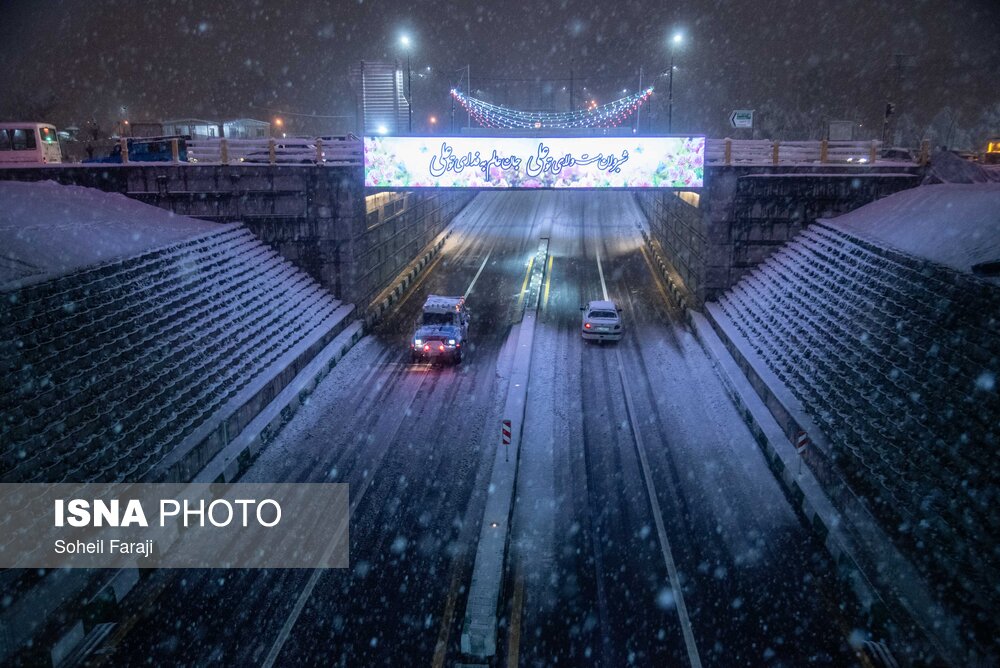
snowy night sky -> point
(797, 63)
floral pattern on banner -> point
(515, 162)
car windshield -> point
(603, 315)
(437, 319)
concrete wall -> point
(744, 214)
(681, 231)
(315, 216)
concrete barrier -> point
(479, 628)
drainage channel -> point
(479, 628)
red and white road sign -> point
(801, 441)
(505, 432)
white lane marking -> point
(600, 270)
(668, 556)
(475, 278)
(300, 603)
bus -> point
(29, 143)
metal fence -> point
(348, 151)
(824, 152)
(334, 151)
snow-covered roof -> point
(957, 225)
(439, 304)
(602, 305)
(190, 121)
(47, 230)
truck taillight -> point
(586, 325)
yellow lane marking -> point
(524, 285)
(441, 650)
(514, 640)
(548, 283)
(657, 279)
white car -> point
(602, 321)
(287, 151)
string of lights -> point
(611, 114)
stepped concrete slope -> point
(134, 345)
(890, 361)
(951, 224)
(48, 230)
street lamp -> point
(674, 42)
(404, 41)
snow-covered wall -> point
(314, 216)
(744, 214)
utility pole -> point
(571, 84)
(409, 85)
(638, 109)
(899, 61)
(670, 96)
(468, 81)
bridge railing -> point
(824, 152)
(348, 151)
(333, 151)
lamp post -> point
(674, 41)
(405, 42)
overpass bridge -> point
(421, 468)
(312, 206)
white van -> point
(29, 143)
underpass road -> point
(758, 587)
(587, 583)
(410, 438)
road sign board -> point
(741, 118)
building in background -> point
(246, 128)
(193, 127)
(382, 105)
(145, 129)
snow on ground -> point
(47, 230)
(957, 225)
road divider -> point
(482, 609)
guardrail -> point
(348, 151)
(332, 151)
(824, 152)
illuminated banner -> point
(534, 162)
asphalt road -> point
(588, 582)
(588, 565)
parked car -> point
(900, 154)
(147, 149)
(289, 151)
(601, 321)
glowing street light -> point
(675, 41)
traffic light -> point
(889, 109)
